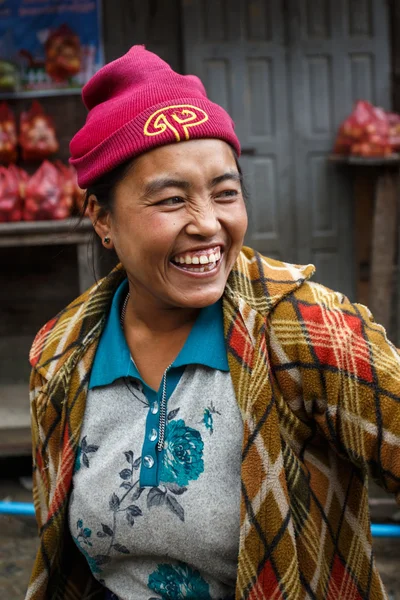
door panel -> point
(333, 49)
(289, 73)
(138, 22)
(242, 64)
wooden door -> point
(238, 50)
(338, 53)
(288, 73)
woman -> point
(204, 418)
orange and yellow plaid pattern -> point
(318, 385)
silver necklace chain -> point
(163, 404)
(123, 311)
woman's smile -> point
(203, 263)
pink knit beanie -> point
(137, 103)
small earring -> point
(106, 240)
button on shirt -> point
(151, 523)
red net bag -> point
(71, 187)
(8, 135)
(67, 186)
(10, 200)
(63, 54)
(44, 195)
(394, 131)
(22, 177)
(365, 132)
(375, 140)
(37, 134)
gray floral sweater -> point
(160, 524)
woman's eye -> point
(171, 201)
(227, 194)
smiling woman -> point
(182, 203)
(204, 417)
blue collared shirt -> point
(205, 345)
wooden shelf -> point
(14, 406)
(376, 190)
(15, 427)
(20, 94)
(364, 161)
(15, 432)
(45, 233)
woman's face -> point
(178, 223)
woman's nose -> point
(204, 223)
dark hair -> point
(104, 188)
(245, 192)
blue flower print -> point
(178, 582)
(208, 419)
(77, 464)
(82, 540)
(183, 454)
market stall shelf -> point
(48, 233)
(364, 161)
(15, 433)
(376, 194)
(45, 265)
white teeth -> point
(201, 259)
(208, 267)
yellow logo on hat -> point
(175, 117)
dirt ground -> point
(18, 544)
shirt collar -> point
(205, 344)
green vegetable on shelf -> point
(8, 76)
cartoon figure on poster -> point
(63, 57)
(63, 54)
(48, 45)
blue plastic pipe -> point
(25, 509)
(382, 530)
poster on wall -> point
(48, 46)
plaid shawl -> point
(318, 386)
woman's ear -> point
(101, 221)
